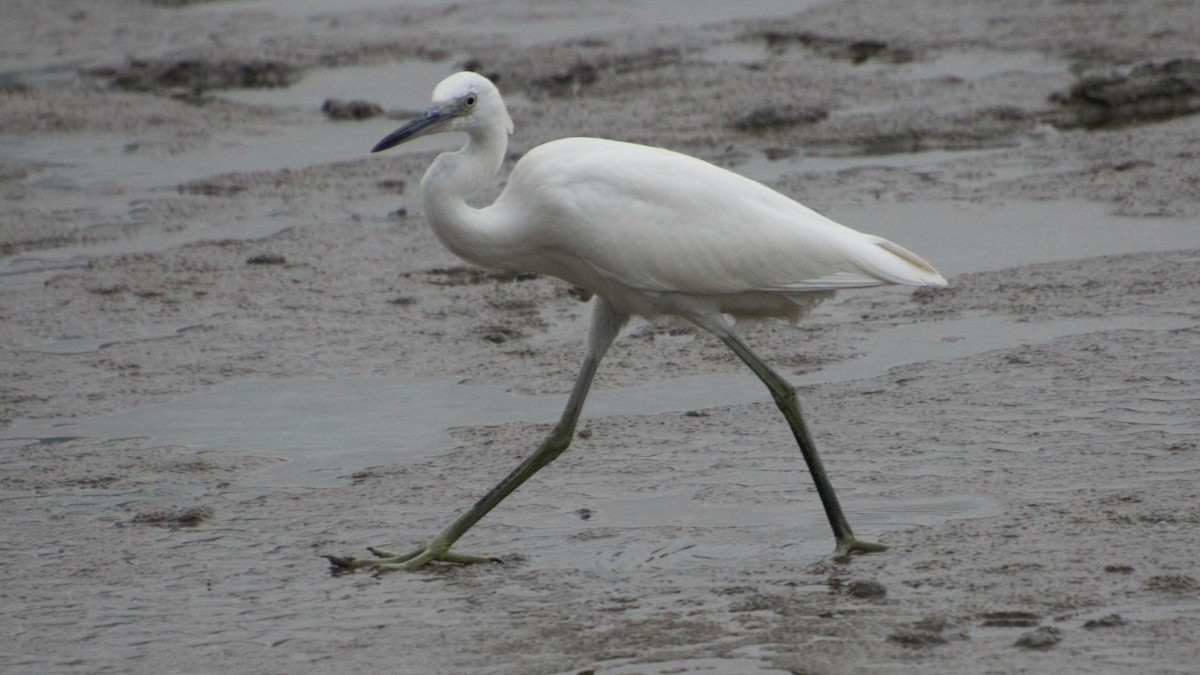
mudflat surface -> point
(230, 344)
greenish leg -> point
(606, 323)
(785, 399)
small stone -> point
(266, 259)
(1010, 619)
(1042, 637)
(1109, 621)
(337, 109)
(174, 518)
(865, 588)
(917, 638)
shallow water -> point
(395, 86)
(960, 238)
(327, 429)
(553, 23)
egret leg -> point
(787, 402)
(606, 323)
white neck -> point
(470, 233)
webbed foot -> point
(388, 561)
(851, 545)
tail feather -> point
(894, 263)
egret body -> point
(650, 232)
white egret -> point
(650, 232)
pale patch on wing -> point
(833, 282)
(908, 256)
(892, 263)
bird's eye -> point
(469, 101)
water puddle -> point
(527, 23)
(330, 428)
(975, 65)
(402, 86)
(535, 22)
(310, 9)
(63, 164)
(974, 238)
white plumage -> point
(645, 223)
(650, 232)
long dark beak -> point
(431, 121)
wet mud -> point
(1147, 93)
(194, 77)
(231, 345)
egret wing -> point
(656, 220)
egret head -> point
(464, 101)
